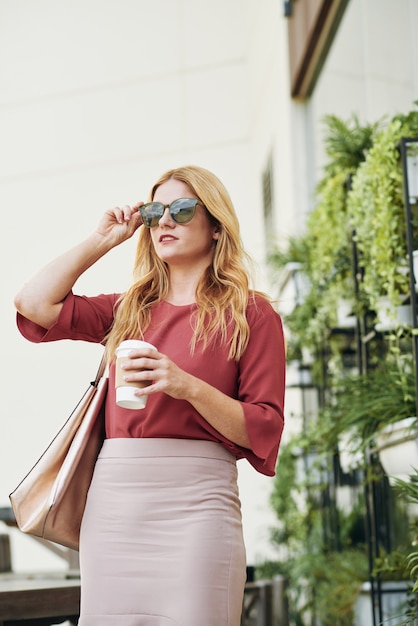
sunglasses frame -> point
(149, 222)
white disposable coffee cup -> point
(125, 391)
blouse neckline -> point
(192, 305)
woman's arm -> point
(222, 412)
(40, 299)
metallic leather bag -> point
(50, 500)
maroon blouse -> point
(257, 380)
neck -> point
(183, 285)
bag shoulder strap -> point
(100, 371)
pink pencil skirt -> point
(161, 540)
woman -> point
(161, 541)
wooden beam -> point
(311, 31)
(40, 596)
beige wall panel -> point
(64, 46)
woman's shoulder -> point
(260, 309)
(259, 302)
(264, 321)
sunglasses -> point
(181, 211)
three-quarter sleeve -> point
(261, 386)
(81, 318)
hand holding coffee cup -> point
(125, 391)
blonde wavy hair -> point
(223, 291)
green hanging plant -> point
(376, 212)
(329, 263)
(324, 252)
(329, 235)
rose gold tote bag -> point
(50, 500)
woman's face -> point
(187, 245)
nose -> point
(166, 219)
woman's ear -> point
(216, 232)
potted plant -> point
(397, 446)
(360, 408)
(390, 316)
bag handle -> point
(100, 371)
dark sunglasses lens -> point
(182, 210)
(151, 213)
